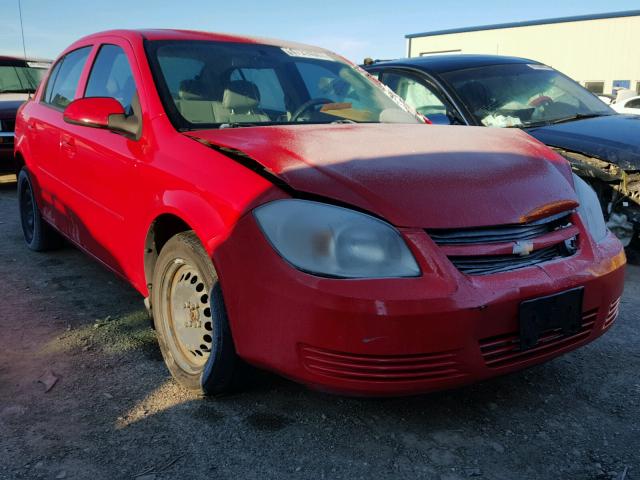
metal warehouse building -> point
(600, 51)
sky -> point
(355, 29)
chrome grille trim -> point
(500, 233)
(484, 265)
(473, 250)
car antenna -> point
(24, 46)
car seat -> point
(240, 103)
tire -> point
(190, 317)
(38, 234)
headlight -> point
(589, 209)
(333, 241)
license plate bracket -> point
(561, 311)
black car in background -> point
(18, 79)
(602, 145)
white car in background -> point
(628, 105)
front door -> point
(102, 164)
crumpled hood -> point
(613, 138)
(412, 175)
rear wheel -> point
(190, 317)
(38, 234)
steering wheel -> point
(541, 101)
(307, 105)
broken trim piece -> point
(591, 166)
(618, 179)
(618, 191)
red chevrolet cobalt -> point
(276, 206)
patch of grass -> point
(111, 335)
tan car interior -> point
(240, 103)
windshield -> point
(214, 84)
(521, 95)
(15, 79)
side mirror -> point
(92, 112)
(101, 112)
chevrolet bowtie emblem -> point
(522, 248)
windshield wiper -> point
(570, 118)
(578, 116)
(240, 124)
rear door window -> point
(65, 75)
(111, 76)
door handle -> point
(68, 144)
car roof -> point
(172, 34)
(448, 63)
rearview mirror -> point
(102, 112)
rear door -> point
(45, 126)
(102, 164)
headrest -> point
(190, 90)
(241, 94)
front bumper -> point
(402, 336)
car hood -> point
(9, 108)
(613, 138)
(412, 175)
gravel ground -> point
(114, 412)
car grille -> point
(504, 350)
(498, 234)
(486, 264)
(382, 368)
(456, 242)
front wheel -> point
(190, 317)
(38, 234)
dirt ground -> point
(114, 412)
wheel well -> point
(18, 162)
(162, 229)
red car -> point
(276, 206)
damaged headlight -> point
(334, 241)
(589, 209)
